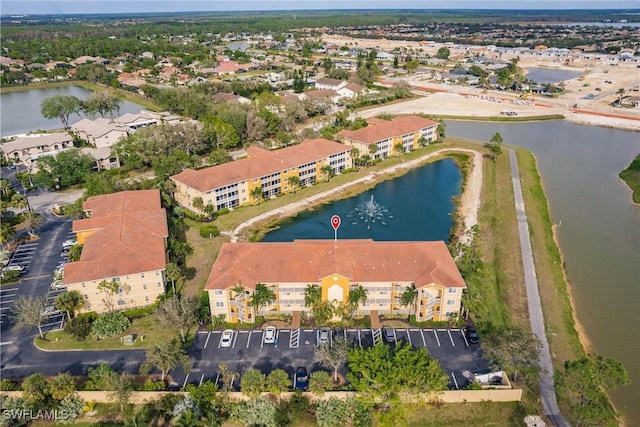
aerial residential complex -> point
(384, 269)
(124, 240)
(389, 135)
(231, 184)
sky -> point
(11, 7)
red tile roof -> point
(308, 261)
(259, 163)
(130, 238)
(379, 129)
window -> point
(146, 299)
(217, 292)
(121, 302)
(144, 286)
(451, 302)
(142, 275)
(116, 279)
(86, 296)
(219, 304)
(452, 290)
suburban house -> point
(327, 83)
(24, 148)
(124, 240)
(384, 269)
(390, 137)
(351, 90)
(233, 184)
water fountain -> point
(369, 212)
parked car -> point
(323, 335)
(14, 267)
(270, 334)
(302, 378)
(471, 334)
(49, 310)
(388, 335)
(227, 336)
(57, 284)
(67, 244)
(338, 331)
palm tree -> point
(355, 154)
(398, 148)
(409, 297)
(312, 295)
(4, 186)
(239, 297)
(294, 181)
(256, 193)
(373, 149)
(322, 312)
(327, 170)
(173, 273)
(357, 296)
(262, 297)
(69, 302)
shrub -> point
(223, 211)
(151, 385)
(110, 324)
(8, 385)
(136, 313)
(80, 327)
(208, 231)
(10, 276)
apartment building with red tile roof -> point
(384, 269)
(230, 185)
(391, 137)
(124, 240)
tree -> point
(409, 297)
(109, 289)
(101, 103)
(355, 156)
(32, 222)
(443, 53)
(357, 296)
(226, 376)
(322, 312)
(29, 312)
(110, 324)
(320, 382)
(165, 356)
(69, 167)
(278, 382)
(333, 356)
(294, 182)
(327, 170)
(373, 149)
(441, 131)
(178, 312)
(205, 396)
(61, 107)
(513, 348)
(398, 148)
(173, 273)
(69, 302)
(582, 384)
(299, 81)
(620, 93)
(62, 386)
(262, 297)
(198, 203)
(312, 295)
(35, 390)
(495, 145)
(395, 62)
(365, 159)
(252, 383)
(256, 193)
(220, 133)
(411, 66)
(385, 371)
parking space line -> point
(185, 381)
(207, 341)
(464, 338)
(8, 295)
(359, 339)
(450, 337)
(436, 335)
(249, 339)
(294, 338)
(235, 337)
(204, 332)
(408, 336)
(455, 382)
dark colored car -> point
(388, 335)
(471, 334)
(338, 331)
(302, 378)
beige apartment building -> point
(124, 238)
(232, 184)
(384, 269)
(390, 137)
(24, 149)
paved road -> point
(547, 388)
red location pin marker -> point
(335, 222)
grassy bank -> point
(631, 176)
(502, 118)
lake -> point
(395, 213)
(599, 233)
(548, 75)
(20, 111)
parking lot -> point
(295, 348)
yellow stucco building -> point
(384, 269)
